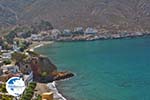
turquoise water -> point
(105, 70)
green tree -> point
(44, 74)
(10, 37)
(17, 56)
(42, 26)
(7, 62)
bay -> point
(105, 70)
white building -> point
(28, 78)
(15, 47)
(67, 32)
(36, 37)
(55, 33)
(90, 30)
(79, 30)
(6, 55)
(0, 47)
(10, 68)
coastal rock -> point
(45, 71)
(42, 67)
(62, 75)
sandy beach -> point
(37, 44)
(49, 87)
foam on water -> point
(57, 95)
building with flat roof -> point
(47, 96)
(10, 68)
(90, 30)
(6, 55)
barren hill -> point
(107, 14)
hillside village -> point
(18, 59)
(26, 24)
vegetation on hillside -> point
(3, 90)
(41, 26)
(17, 56)
(29, 92)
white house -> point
(90, 30)
(79, 30)
(19, 34)
(36, 37)
(6, 55)
(0, 47)
(10, 68)
(55, 33)
(15, 47)
(67, 32)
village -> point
(17, 58)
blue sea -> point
(105, 69)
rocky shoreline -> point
(56, 76)
(101, 36)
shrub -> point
(32, 86)
(25, 97)
(29, 92)
(42, 26)
(3, 88)
(39, 97)
(18, 56)
(34, 54)
(33, 83)
(7, 62)
(5, 97)
(44, 74)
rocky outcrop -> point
(62, 75)
(42, 67)
(45, 71)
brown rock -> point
(62, 75)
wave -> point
(40, 45)
(53, 88)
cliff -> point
(45, 71)
(42, 68)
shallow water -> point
(105, 70)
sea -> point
(117, 69)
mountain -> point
(129, 15)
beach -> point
(57, 94)
(37, 44)
(49, 87)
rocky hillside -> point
(102, 14)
